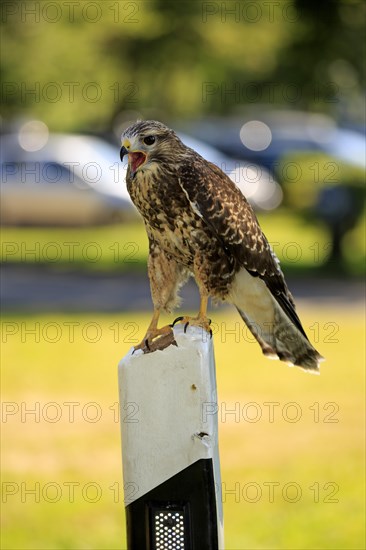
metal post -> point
(171, 467)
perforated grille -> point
(169, 529)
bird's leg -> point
(153, 332)
(201, 320)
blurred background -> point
(274, 94)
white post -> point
(170, 455)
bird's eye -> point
(149, 140)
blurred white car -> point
(70, 180)
(64, 179)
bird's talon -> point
(176, 321)
(210, 334)
(199, 321)
(155, 338)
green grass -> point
(300, 246)
(111, 247)
(319, 455)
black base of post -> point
(180, 513)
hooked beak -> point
(123, 152)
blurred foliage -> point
(88, 61)
(324, 190)
(303, 175)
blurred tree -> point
(76, 65)
(326, 55)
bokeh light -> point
(33, 135)
(256, 135)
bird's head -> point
(146, 143)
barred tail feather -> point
(277, 335)
(284, 342)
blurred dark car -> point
(255, 182)
(263, 136)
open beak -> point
(135, 159)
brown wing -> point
(223, 207)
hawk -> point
(199, 223)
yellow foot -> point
(203, 322)
(159, 338)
